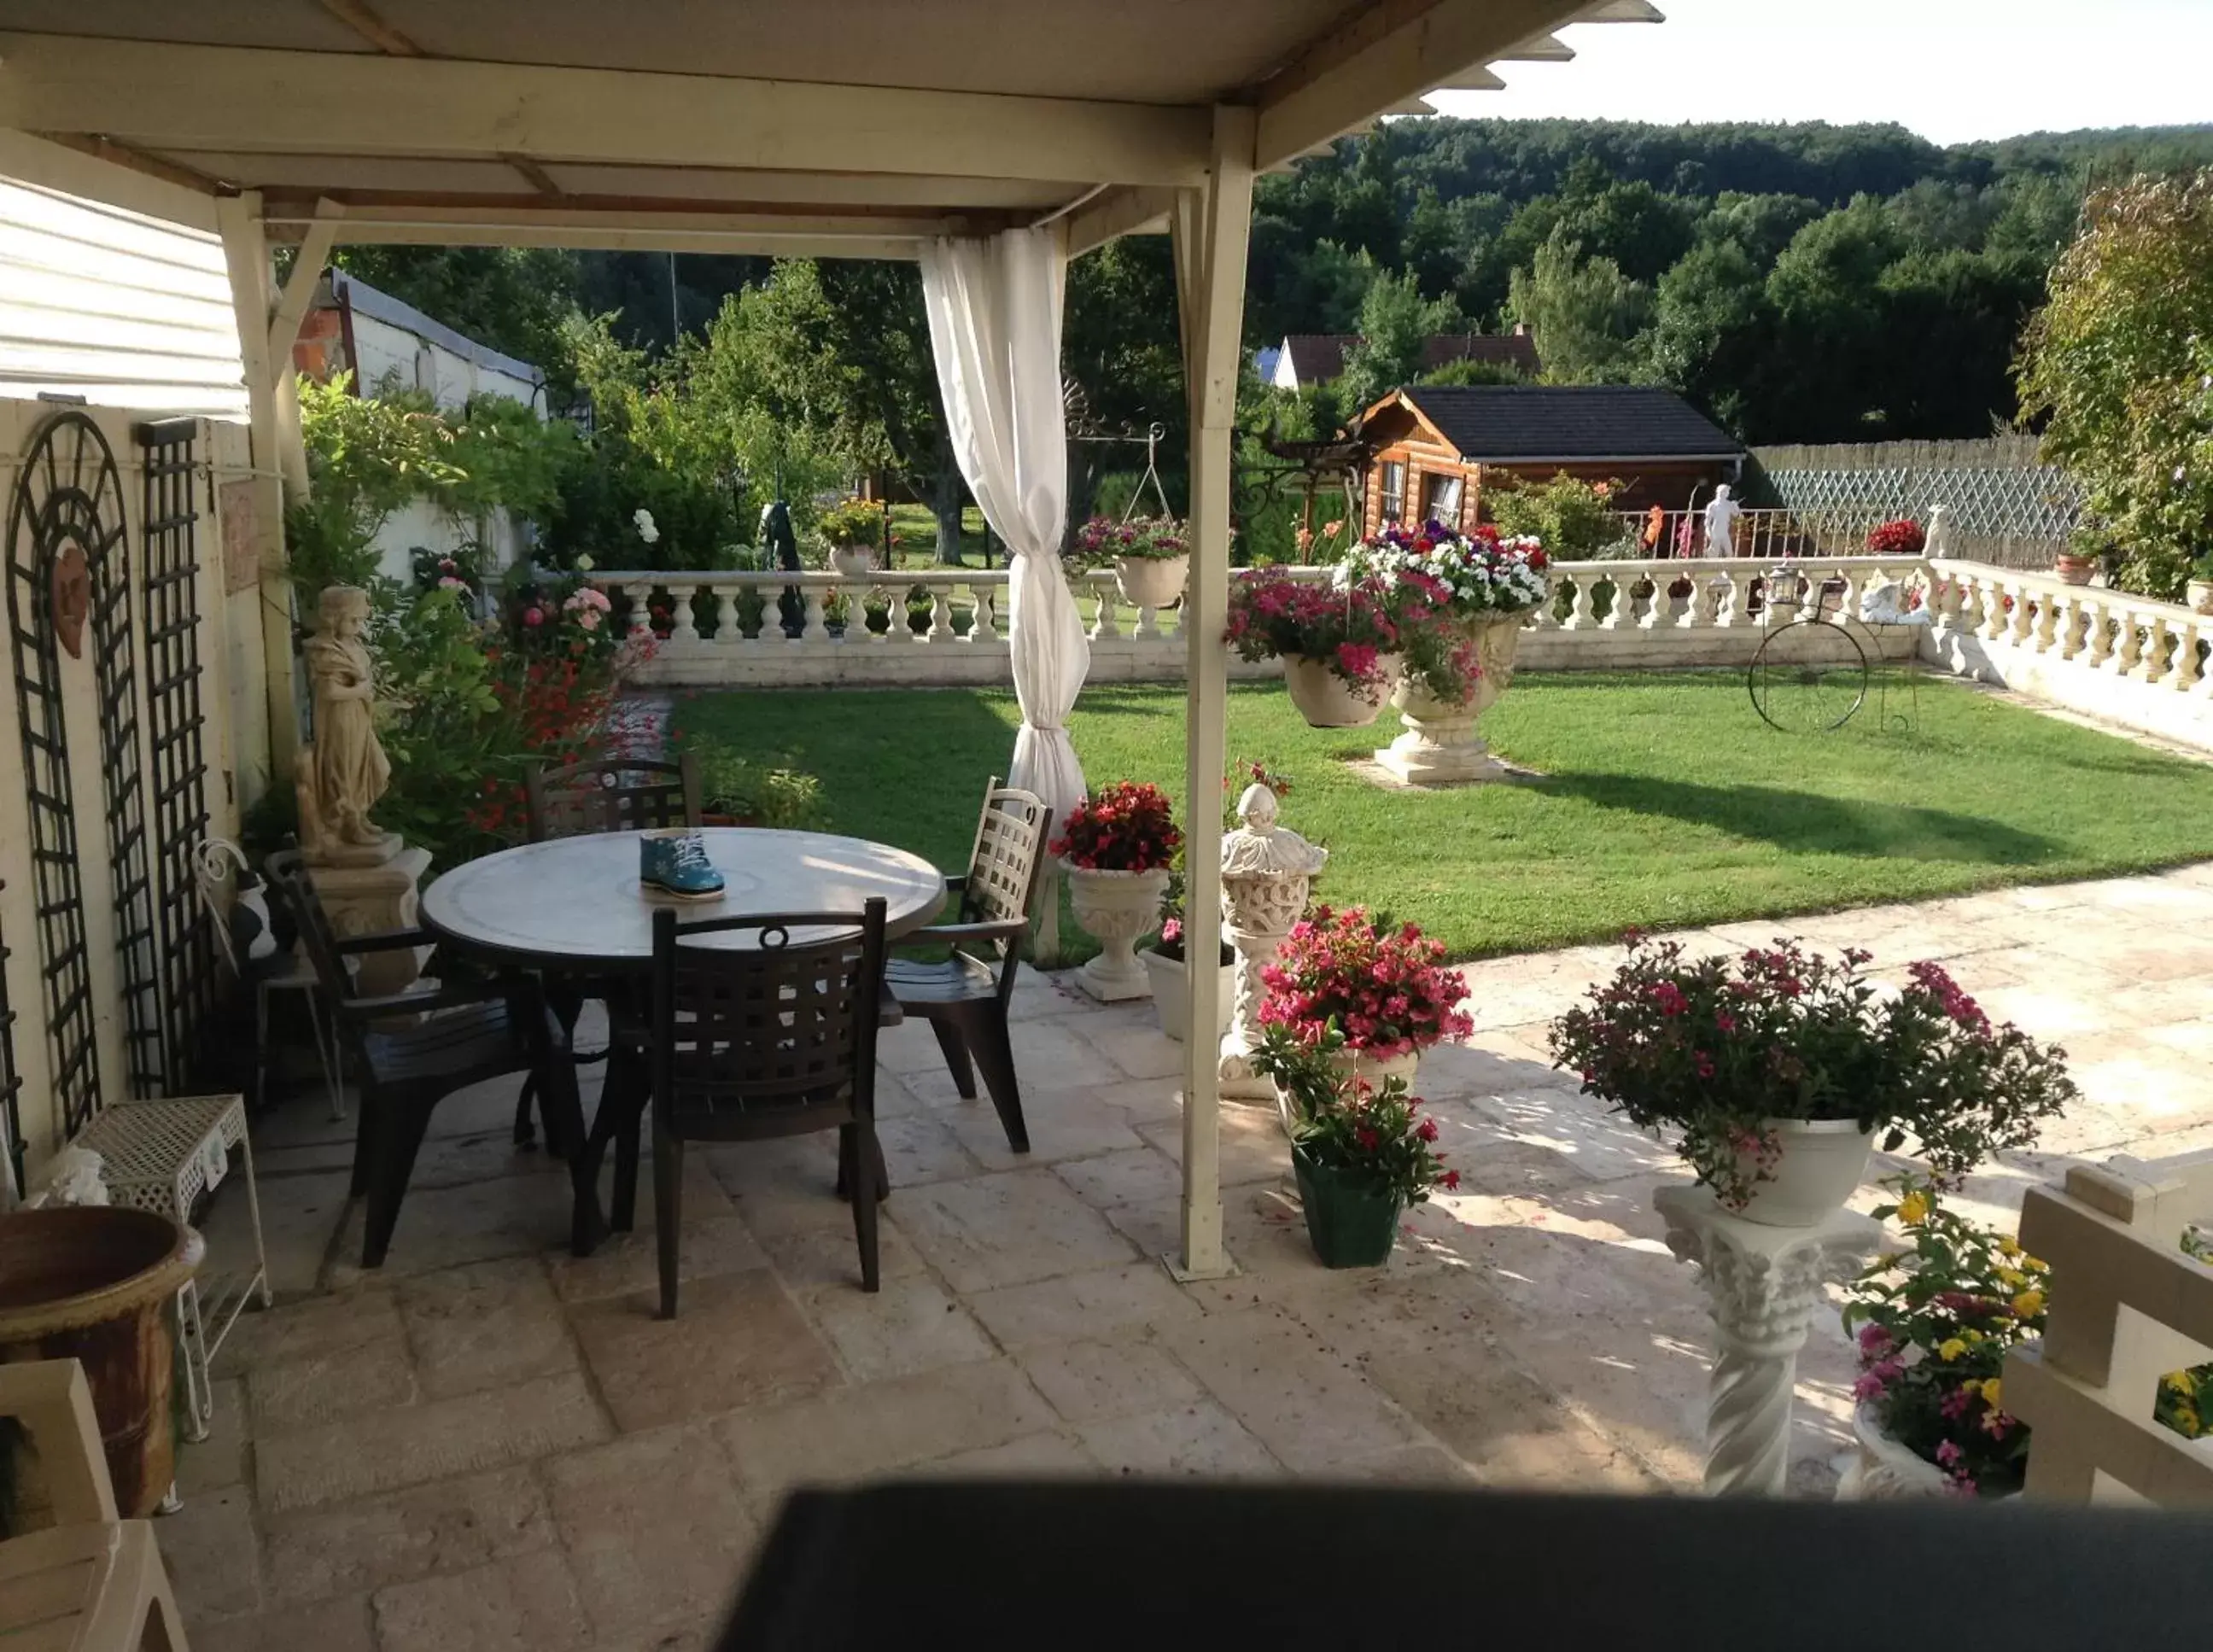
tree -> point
(1712, 332)
(517, 299)
(2119, 365)
(1394, 321)
(1585, 315)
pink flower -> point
(1171, 931)
(1874, 1340)
(533, 616)
(1948, 1454)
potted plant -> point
(736, 790)
(1150, 557)
(1903, 537)
(1780, 1067)
(1385, 987)
(2085, 552)
(1339, 647)
(1362, 1153)
(1933, 1324)
(855, 529)
(2200, 588)
(1164, 959)
(1118, 845)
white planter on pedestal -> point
(1884, 1471)
(1115, 908)
(1822, 1164)
(1266, 871)
(1440, 746)
(1150, 581)
(1359, 1065)
(853, 560)
(1171, 999)
(1325, 700)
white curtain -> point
(995, 328)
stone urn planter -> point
(2201, 596)
(852, 561)
(1349, 1225)
(1357, 1065)
(1440, 746)
(1326, 700)
(1884, 1471)
(1822, 1164)
(97, 1284)
(2075, 570)
(1171, 999)
(1150, 581)
(1266, 870)
(1116, 908)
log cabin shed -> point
(1433, 448)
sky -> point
(1951, 69)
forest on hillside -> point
(1804, 283)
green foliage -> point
(1587, 315)
(367, 456)
(852, 521)
(757, 791)
(1468, 370)
(517, 299)
(437, 712)
(2119, 365)
(1571, 518)
(1394, 319)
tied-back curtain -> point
(994, 329)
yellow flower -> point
(2035, 1267)
(1953, 1348)
(1972, 1386)
(2012, 1278)
(1992, 1389)
(2183, 1383)
(2187, 1418)
(2008, 1246)
(1972, 1335)
(1913, 1208)
(2029, 1304)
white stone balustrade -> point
(2128, 1306)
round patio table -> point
(574, 906)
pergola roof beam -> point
(159, 95)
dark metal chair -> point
(581, 800)
(965, 995)
(772, 1036)
(412, 1049)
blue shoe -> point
(675, 862)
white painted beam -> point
(52, 165)
(641, 234)
(160, 95)
(1117, 213)
(300, 286)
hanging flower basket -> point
(1338, 646)
(1328, 699)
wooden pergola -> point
(833, 128)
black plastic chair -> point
(771, 1033)
(965, 996)
(413, 1049)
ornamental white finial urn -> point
(1116, 908)
(1266, 872)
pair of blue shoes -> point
(674, 863)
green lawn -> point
(1665, 801)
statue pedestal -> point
(368, 888)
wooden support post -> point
(1209, 226)
(246, 251)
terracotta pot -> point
(97, 1284)
(2075, 570)
(1170, 996)
(1326, 700)
(1822, 1164)
(1150, 581)
(1116, 908)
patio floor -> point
(489, 1444)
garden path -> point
(490, 1444)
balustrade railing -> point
(1999, 618)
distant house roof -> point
(1318, 358)
(1511, 423)
(383, 306)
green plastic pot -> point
(1350, 1224)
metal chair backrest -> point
(772, 1036)
(615, 795)
(286, 874)
(216, 864)
(1007, 860)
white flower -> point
(584, 563)
(642, 519)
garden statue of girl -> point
(342, 774)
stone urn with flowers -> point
(1459, 602)
(1117, 846)
(855, 530)
(1338, 643)
(1780, 1069)
(1151, 556)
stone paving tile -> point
(1093, 1381)
(658, 1534)
(326, 1626)
(1600, 1144)
(1061, 1124)
(369, 1544)
(923, 1148)
(1054, 1456)
(1128, 1176)
(1007, 1229)
(630, 1262)
(908, 1326)
(487, 1325)
(1200, 1438)
(1253, 1147)
(321, 1326)
(384, 1450)
(1048, 1054)
(300, 1217)
(819, 1259)
(209, 1552)
(528, 1604)
(1109, 1302)
(737, 1339)
(477, 1221)
(218, 1461)
(1133, 1043)
(331, 1385)
(855, 1431)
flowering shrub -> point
(1902, 538)
(1125, 827)
(1718, 1048)
(1372, 1134)
(1145, 539)
(1933, 1325)
(855, 521)
(1452, 575)
(1386, 988)
(1348, 629)
(460, 568)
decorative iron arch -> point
(68, 564)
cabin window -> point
(1441, 499)
(1394, 489)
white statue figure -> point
(1266, 871)
(341, 775)
(1721, 523)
